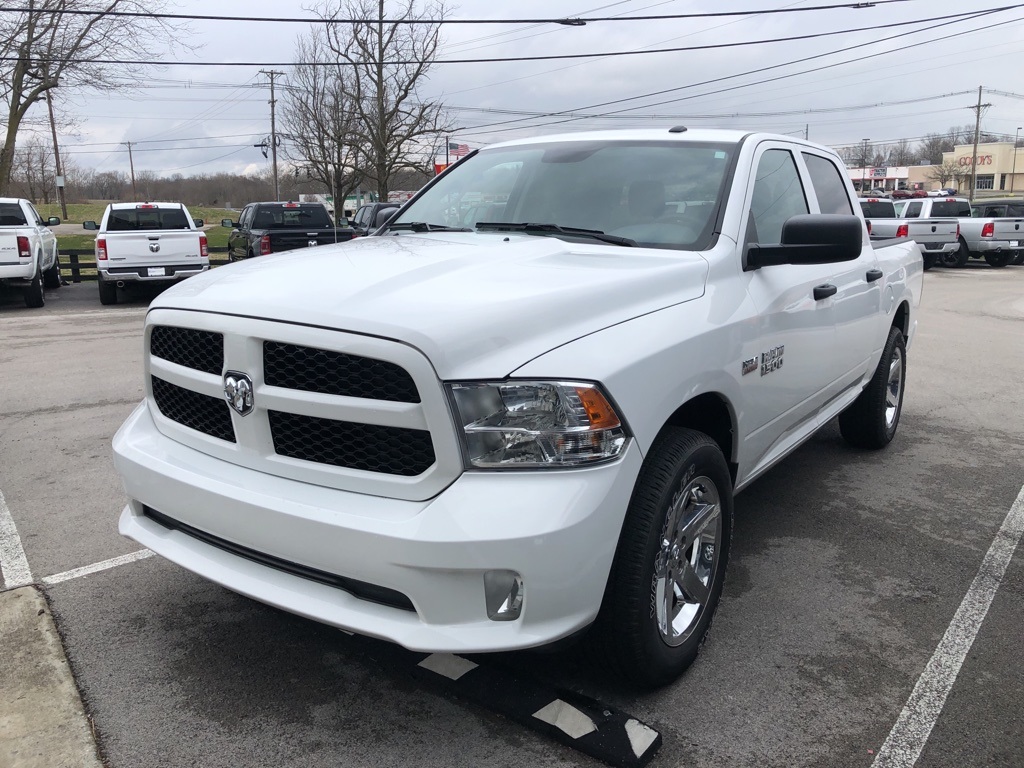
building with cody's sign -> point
(999, 167)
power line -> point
(750, 72)
(567, 21)
(550, 57)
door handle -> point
(874, 274)
(824, 291)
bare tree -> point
(318, 119)
(902, 153)
(45, 45)
(34, 175)
(946, 172)
(389, 60)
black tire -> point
(1018, 258)
(108, 292)
(998, 259)
(51, 277)
(684, 470)
(872, 419)
(962, 255)
(34, 291)
(928, 259)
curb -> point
(42, 721)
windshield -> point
(658, 194)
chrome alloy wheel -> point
(893, 388)
(686, 561)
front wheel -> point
(669, 567)
(872, 419)
(998, 259)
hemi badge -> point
(749, 366)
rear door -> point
(858, 297)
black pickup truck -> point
(264, 228)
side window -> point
(246, 218)
(39, 219)
(828, 185)
(912, 211)
(778, 194)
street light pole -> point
(863, 163)
(1014, 171)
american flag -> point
(457, 150)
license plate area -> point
(156, 271)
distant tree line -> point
(928, 151)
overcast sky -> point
(206, 119)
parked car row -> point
(950, 231)
(903, 193)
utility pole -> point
(56, 161)
(131, 165)
(1013, 173)
(273, 128)
(977, 133)
(864, 164)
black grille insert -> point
(209, 415)
(200, 350)
(336, 373)
(349, 444)
(361, 589)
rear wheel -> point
(872, 419)
(51, 278)
(108, 292)
(963, 255)
(670, 563)
(998, 259)
(1018, 258)
(34, 291)
(929, 260)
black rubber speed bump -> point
(582, 723)
(578, 721)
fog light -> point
(503, 591)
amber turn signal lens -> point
(600, 412)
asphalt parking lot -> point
(859, 582)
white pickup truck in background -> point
(938, 239)
(146, 243)
(997, 240)
(28, 250)
(492, 427)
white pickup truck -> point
(997, 240)
(147, 243)
(28, 250)
(938, 239)
(494, 427)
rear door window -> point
(913, 210)
(829, 188)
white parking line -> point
(85, 570)
(908, 736)
(13, 564)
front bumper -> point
(557, 529)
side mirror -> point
(383, 217)
(811, 239)
(342, 222)
(198, 222)
(227, 223)
(53, 221)
(89, 225)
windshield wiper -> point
(531, 228)
(422, 226)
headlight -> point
(523, 424)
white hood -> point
(477, 305)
